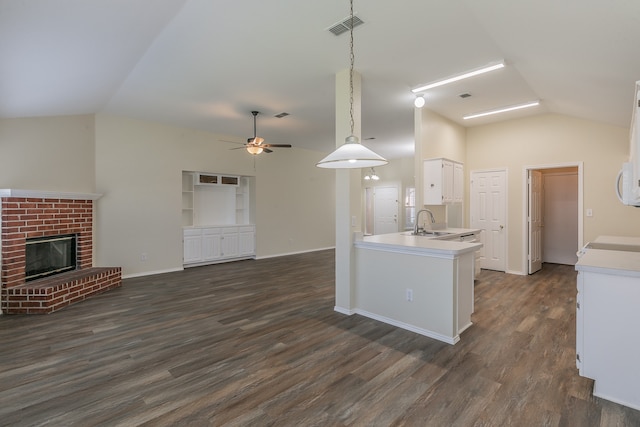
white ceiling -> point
(206, 64)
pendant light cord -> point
(352, 58)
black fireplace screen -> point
(46, 256)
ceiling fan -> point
(256, 144)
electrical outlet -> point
(144, 256)
(409, 294)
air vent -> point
(281, 115)
(464, 95)
(345, 25)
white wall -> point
(138, 169)
(48, 153)
(554, 139)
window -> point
(409, 208)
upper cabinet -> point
(443, 182)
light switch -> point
(589, 212)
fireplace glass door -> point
(46, 256)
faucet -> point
(416, 229)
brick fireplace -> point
(28, 214)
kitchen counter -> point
(419, 283)
(618, 255)
(432, 245)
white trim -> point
(525, 192)
(38, 194)
(150, 273)
(408, 327)
(343, 310)
(295, 253)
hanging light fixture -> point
(351, 154)
(371, 175)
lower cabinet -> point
(206, 245)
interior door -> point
(534, 217)
(385, 208)
(488, 212)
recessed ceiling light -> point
(466, 75)
(503, 110)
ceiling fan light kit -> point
(256, 144)
(351, 154)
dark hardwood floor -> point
(258, 343)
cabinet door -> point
(192, 246)
(447, 181)
(229, 242)
(432, 171)
(247, 241)
(458, 183)
(210, 244)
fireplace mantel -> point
(39, 194)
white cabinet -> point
(607, 350)
(211, 249)
(206, 245)
(247, 240)
(192, 241)
(230, 242)
(443, 182)
(458, 183)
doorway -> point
(381, 210)
(553, 224)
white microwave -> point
(629, 176)
(630, 192)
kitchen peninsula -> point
(419, 283)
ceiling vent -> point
(345, 25)
(281, 115)
(464, 95)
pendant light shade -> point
(352, 154)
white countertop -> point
(618, 240)
(421, 245)
(623, 263)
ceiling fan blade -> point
(266, 150)
(277, 145)
(232, 142)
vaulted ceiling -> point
(207, 64)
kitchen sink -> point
(428, 233)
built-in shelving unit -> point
(217, 217)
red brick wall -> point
(24, 218)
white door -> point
(385, 210)
(534, 218)
(488, 211)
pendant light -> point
(351, 154)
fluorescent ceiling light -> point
(503, 110)
(466, 75)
